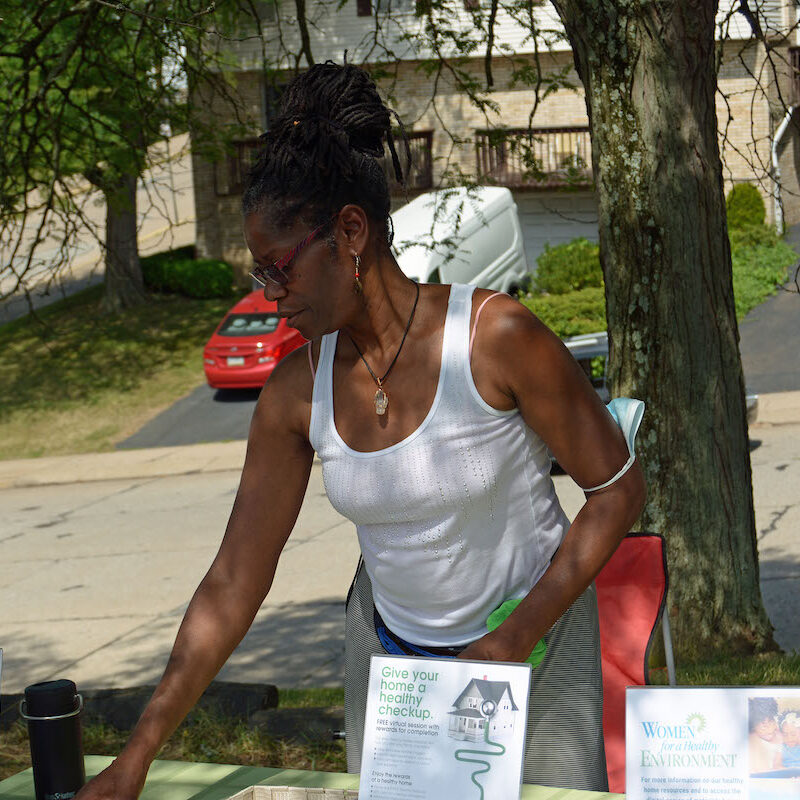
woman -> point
(430, 413)
(764, 738)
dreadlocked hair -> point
(322, 152)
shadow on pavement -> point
(292, 645)
(237, 395)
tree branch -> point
(490, 44)
(302, 23)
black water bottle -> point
(52, 710)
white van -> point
(461, 236)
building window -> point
(251, 12)
(267, 11)
(794, 61)
(364, 8)
(230, 172)
(536, 157)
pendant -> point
(381, 401)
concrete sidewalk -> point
(781, 408)
(99, 555)
(154, 462)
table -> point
(182, 780)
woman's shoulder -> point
(288, 391)
(499, 320)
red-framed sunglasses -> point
(275, 271)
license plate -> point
(235, 361)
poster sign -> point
(444, 729)
(712, 744)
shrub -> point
(745, 206)
(757, 272)
(583, 311)
(159, 273)
(753, 236)
(206, 278)
(176, 272)
(569, 267)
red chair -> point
(631, 597)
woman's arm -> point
(274, 481)
(517, 361)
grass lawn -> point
(767, 669)
(207, 738)
(76, 381)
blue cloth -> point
(791, 756)
(628, 414)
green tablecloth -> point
(182, 780)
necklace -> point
(381, 398)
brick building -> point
(451, 136)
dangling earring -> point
(359, 287)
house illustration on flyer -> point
(483, 703)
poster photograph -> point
(440, 729)
(708, 743)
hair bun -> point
(321, 153)
(335, 99)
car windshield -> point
(249, 324)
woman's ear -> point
(354, 227)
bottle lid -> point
(50, 698)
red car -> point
(249, 342)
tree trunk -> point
(123, 281)
(648, 72)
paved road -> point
(94, 577)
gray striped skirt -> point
(564, 736)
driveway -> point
(769, 344)
(206, 415)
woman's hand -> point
(499, 645)
(118, 781)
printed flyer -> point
(441, 729)
(712, 744)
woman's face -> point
(767, 729)
(791, 734)
(318, 290)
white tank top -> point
(456, 518)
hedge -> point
(572, 314)
(568, 267)
(176, 272)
